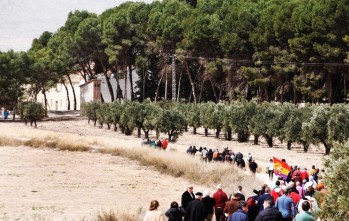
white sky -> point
(23, 20)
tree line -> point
(270, 50)
(288, 123)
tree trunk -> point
(194, 130)
(45, 100)
(218, 132)
(166, 83)
(73, 90)
(125, 88)
(269, 140)
(131, 81)
(110, 88)
(128, 132)
(157, 89)
(305, 146)
(146, 134)
(289, 144)
(201, 89)
(255, 140)
(68, 99)
(108, 125)
(329, 87)
(157, 134)
(214, 91)
(139, 132)
(206, 132)
(243, 137)
(170, 136)
(327, 146)
(143, 89)
(191, 82)
(118, 88)
(115, 127)
(229, 133)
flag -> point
(281, 168)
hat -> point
(198, 194)
(219, 186)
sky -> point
(23, 20)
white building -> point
(57, 96)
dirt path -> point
(44, 184)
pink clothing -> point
(300, 191)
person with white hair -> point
(209, 204)
(311, 183)
(187, 196)
(220, 197)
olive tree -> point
(316, 128)
(33, 112)
(172, 123)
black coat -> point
(186, 198)
(196, 211)
(174, 214)
(269, 214)
(209, 203)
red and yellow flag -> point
(281, 168)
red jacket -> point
(220, 197)
(164, 144)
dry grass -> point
(173, 163)
(7, 141)
(183, 165)
(130, 215)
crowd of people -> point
(161, 144)
(226, 155)
(288, 199)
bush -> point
(32, 112)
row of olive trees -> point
(32, 112)
(129, 116)
(317, 124)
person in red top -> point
(164, 144)
(220, 197)
(305, 175)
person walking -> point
(305, 215)
(174, 213)
(240, 214)
(209, 203)
(153, 214)
(269, 213)
(286, 206)
(220, 197)
(196, 209)
(187, 196)
(270, 169)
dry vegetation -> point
(174, 163)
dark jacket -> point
(174, 214)
(186, 198)
(261, 199)
(209, 203)
(269, 214)
(195, 211)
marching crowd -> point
(290, 198)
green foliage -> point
(32, 112)
(316, 128)
(89, 110)
(336, 179)
(172, 122)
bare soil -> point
(45, 184)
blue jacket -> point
(239, 215)
(286, 206)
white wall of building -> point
(57, 97)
